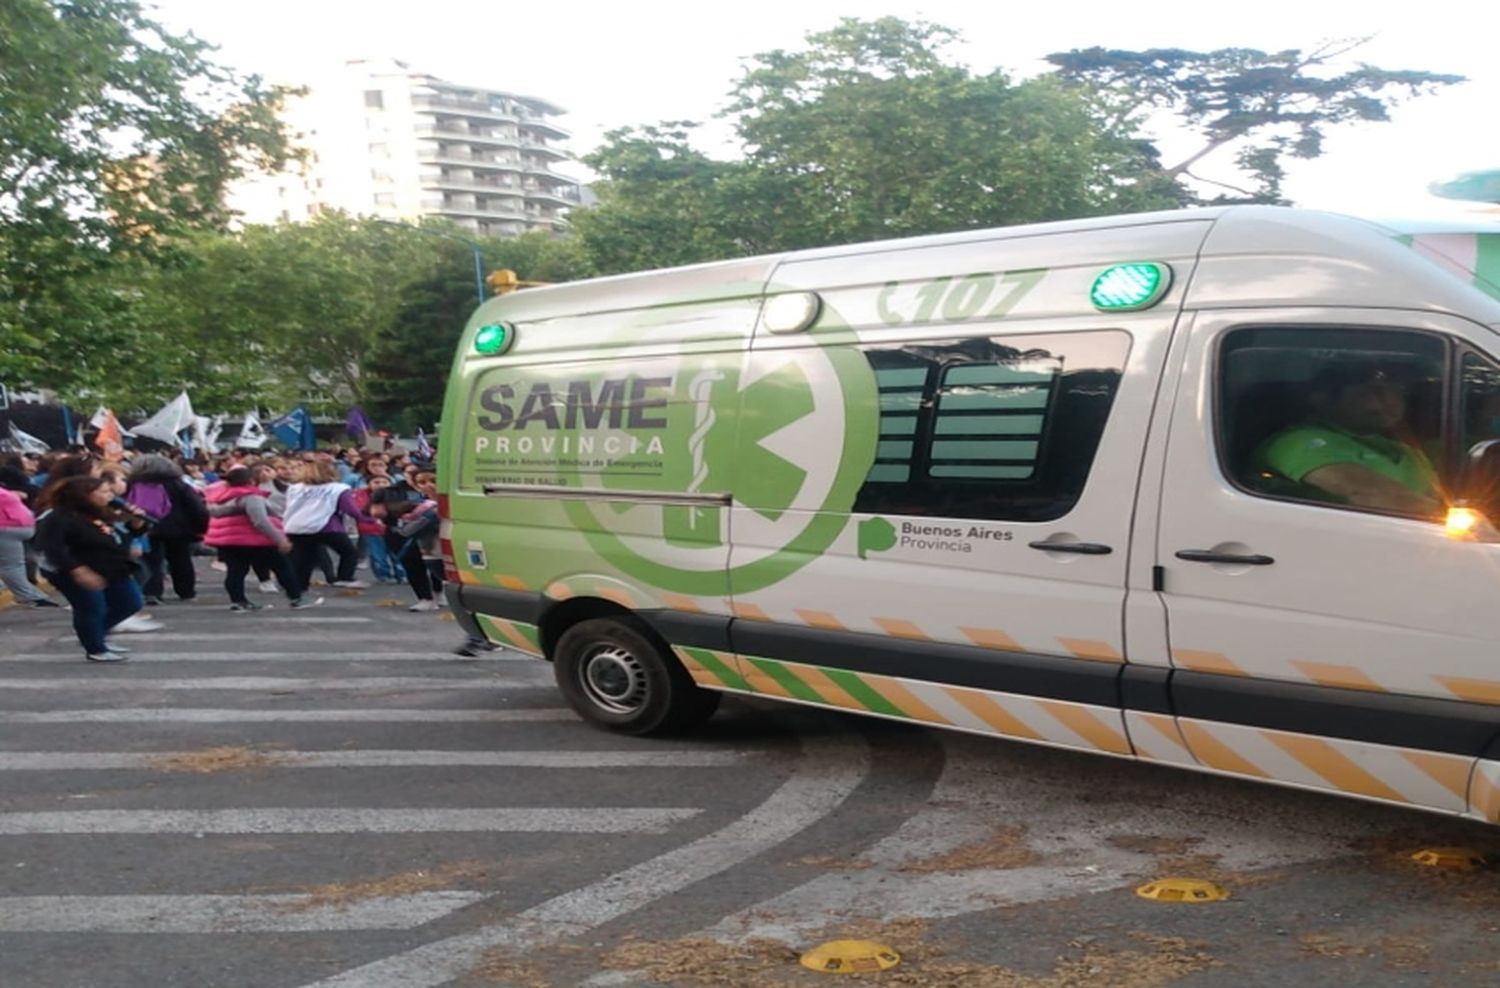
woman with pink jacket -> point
(17, 524)
(246, 534)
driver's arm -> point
(1363, 487)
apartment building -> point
(386, 141)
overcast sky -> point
(622, 63)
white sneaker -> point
(107, 656)
(352, 584)
(424, 605)
(302, 602)
(139, 623)
(221, 567)
(269, 586)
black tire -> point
(615, 673)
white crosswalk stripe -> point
(51, 761)
(145, 799)
(565, 820)
(118, 683)
(223, 913)
(141, 655)
(167, 715)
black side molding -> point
(1429, 724)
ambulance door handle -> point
(1235, 558)
(1082, 548)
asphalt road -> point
(330, 798)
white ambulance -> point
(1206, 488)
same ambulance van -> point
(1204, 488)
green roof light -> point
(493, 339)
(1124, 287)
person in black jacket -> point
(181, 517)
(89, 564)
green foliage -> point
(1265, 106)
(114, 136)
(867, 133)
(406, 368)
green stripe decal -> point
(861, 691)
(1487, 264)
(711, 662)
(530, 632)
(789, 682)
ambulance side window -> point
(1001, 428)
(1346, 418)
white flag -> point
(175, 416)
(252, 436)
(27, 442)
(215, 429)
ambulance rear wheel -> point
(614, 673)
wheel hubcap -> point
(614, 679)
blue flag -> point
(295, 429)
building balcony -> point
(567, 195)
(480, 212)
(467, 108)
(531, 146)
(461, 136)
(529, 122)
(475, 184)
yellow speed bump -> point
(850, 957)
(1182, 890)
(1453, 858)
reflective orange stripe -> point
(1474, 690)
(827, 688)
(901, 629)
(1449, 771)
(1167, 728)
(1215, 754)
(1486, 797)
(896, 694)
(992, 638)
(1333, 765)
(1087, 648)
(617, 596)
(511, 582)
(1348, 677)
(677, 603)
(820, 619)
(1087, 725)
(1206, 662)
(991, 713)
(750, 612)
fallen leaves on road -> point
(224, 759)
(404, 883)
(1006, 848)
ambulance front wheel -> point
(614, 674)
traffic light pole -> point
(478, 262)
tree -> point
(406, 370)
(1263, 105)
(869, 132)
(663, 202)
(115, 137)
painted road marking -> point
(826, 775)
(223, 913)
(140, 656)
(548, 820)
(115, 684)
(49, 761)
(153, 715)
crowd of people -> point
(110, 537)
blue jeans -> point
(382, 563)
(96, 611)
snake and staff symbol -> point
(696, 525)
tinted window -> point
(1003, 427)
(1340, 417)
